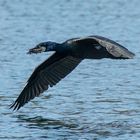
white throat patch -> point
(43, 49)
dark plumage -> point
(66, 57)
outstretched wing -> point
(113, 48)
(49, 73)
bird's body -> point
(94, 47)
(66, 57)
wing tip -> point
(130, 55)
(15, 106)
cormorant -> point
(66, 57)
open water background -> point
(99, 100)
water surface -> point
(99, 100)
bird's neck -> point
(52, 46)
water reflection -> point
(100, 129)
(44, 123)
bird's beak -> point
(35, 50)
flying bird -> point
(66, 57)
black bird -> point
(66, 57)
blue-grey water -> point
(99, 100)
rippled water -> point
(100, 99)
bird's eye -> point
(39, 46)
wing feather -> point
(112, 47)
(45, 76)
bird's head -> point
(42, 47)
